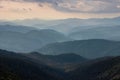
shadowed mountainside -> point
(19, 67)
(61, 61)
(99, 69)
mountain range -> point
(100, 69)
(97, 32)
(66, 49)
(18, 66)
(92, 48)
(61, 61)
(78, 29)
(25, 36)
(28, 41)
(68, 25)
(15, 28)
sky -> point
(58, 9)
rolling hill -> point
(15, 28)
(99, 69)
(68, 25)
(30, 41)
(97, 32)
(61, 61)
(18, 67)
(92, 48)
(78, 29)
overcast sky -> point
(58, 9)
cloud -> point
(90, 6)
(21, 10)
(79, 6)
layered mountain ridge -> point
(91, 48)
(21, 67)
